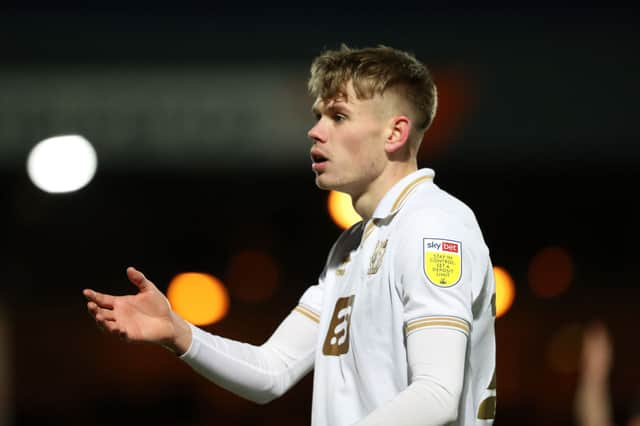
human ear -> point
(399, 130)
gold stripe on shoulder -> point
(406, 191)
(307, 313)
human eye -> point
(338, 117)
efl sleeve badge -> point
(442, 261)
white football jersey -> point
(419, 262)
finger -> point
(110, 326)
(113, 328)
(102, 300)
(105, 315)
(138, 279)
(92, 308)
(102, 327)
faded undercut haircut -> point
(374, 70)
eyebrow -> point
(340, 107)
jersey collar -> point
(397, 195)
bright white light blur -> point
(62, 163)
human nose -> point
(315, 133)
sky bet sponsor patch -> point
(442, 261)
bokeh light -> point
(505, 290)
(550, 272)
(62, 163)
(341, 210)
(456, 98)
(252, 276)
(198, 298)
(563, 350)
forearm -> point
(436, 359)
(182, 335)
(258, 373)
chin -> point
(326, 184)
(322, 184)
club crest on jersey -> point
(442, 260)
(376, 258)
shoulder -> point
(431, 207)
(434, 216)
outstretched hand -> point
(144, 317)
(597, 352)
(592, 400)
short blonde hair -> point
(372, 71)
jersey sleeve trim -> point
(438, 321)
(307, 312)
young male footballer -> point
(399, 328)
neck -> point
(366, 202)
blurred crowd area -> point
(199, 118)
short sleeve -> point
(433, 272)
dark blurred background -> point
(198, 113)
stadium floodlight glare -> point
(62, 163)
(505, 290)
(341, 210)
(199, 298)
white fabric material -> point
(258, 373)
(397, 342)
(436, 358)
(377, 290)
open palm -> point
(142, 317)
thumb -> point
(138, 279)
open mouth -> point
(318, 158)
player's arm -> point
(434, 282)
(436, 359)
(259, 373)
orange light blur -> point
(505, 290)
(456, 99)
(198, 298)
(550, 272)
(252, 276)
(341, 210)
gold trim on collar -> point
(407, 189)
(368, 230)
(403, 195)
